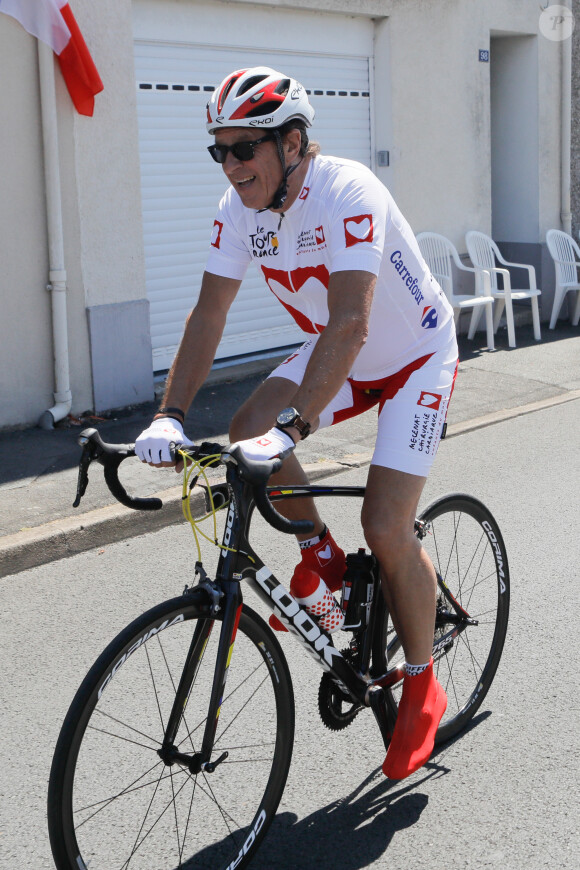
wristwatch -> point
(290, 417)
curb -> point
(97, 528)
(510, 413)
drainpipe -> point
(566, 214)
(57, 273)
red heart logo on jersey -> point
(358, 229)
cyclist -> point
(334, 248)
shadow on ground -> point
(350, 833)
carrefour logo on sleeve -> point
(429, 318)
(411, 282)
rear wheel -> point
(466, 547)
(114, 803)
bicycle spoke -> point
(239, 713)
(105, 802)
(116, 805)
(123, 725)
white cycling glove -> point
(152, 445)
(276, 442)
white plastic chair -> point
(484, 253)
(438, 253)
(566, 256)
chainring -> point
(337, 709)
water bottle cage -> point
(357, 589)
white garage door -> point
(181, 185)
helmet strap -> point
(280, 196)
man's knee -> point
(388, 537)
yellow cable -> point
(189, 467)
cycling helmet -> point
(257, 97)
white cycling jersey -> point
(343, 219)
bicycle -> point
(176, 748)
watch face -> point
(287, 416)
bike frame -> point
(238, 562)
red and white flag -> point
(53, 22)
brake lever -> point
(110, 457)
(83, 475)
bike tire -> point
(113, 803)
(467, 549)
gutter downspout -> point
(57, 272)
(566, 136)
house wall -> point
(431, 112)
(101, 224)
(575, 149)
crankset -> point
(337, 709)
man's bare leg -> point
(388, 519)
(410, 585)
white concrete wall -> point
(25, 350)
(101, 209)
(431, 112)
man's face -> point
(257, 180)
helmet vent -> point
(251, 83)
(225, 92)
(266, 109)
(282, 87)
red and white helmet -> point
(259, 97)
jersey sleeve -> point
(228, 256)
(359, 216)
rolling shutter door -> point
(181, 186)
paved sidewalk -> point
(38, 469)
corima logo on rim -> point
(358, 229)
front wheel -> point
(466, 547)
(114, 803)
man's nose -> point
(231, 162)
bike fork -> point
(200, 761)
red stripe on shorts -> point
(387, 388)
(380, 391)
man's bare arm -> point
(350, 296)
(203, 332)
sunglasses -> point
(241, 150)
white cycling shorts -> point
(412, 405)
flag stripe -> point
(52, 22)
(77, 67)
(41, 19)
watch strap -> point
(298, 423)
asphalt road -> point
(502, 795)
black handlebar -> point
(255, 473)
(110, 457)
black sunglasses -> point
(240, 150)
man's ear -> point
(292, 143)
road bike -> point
(176, 748)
